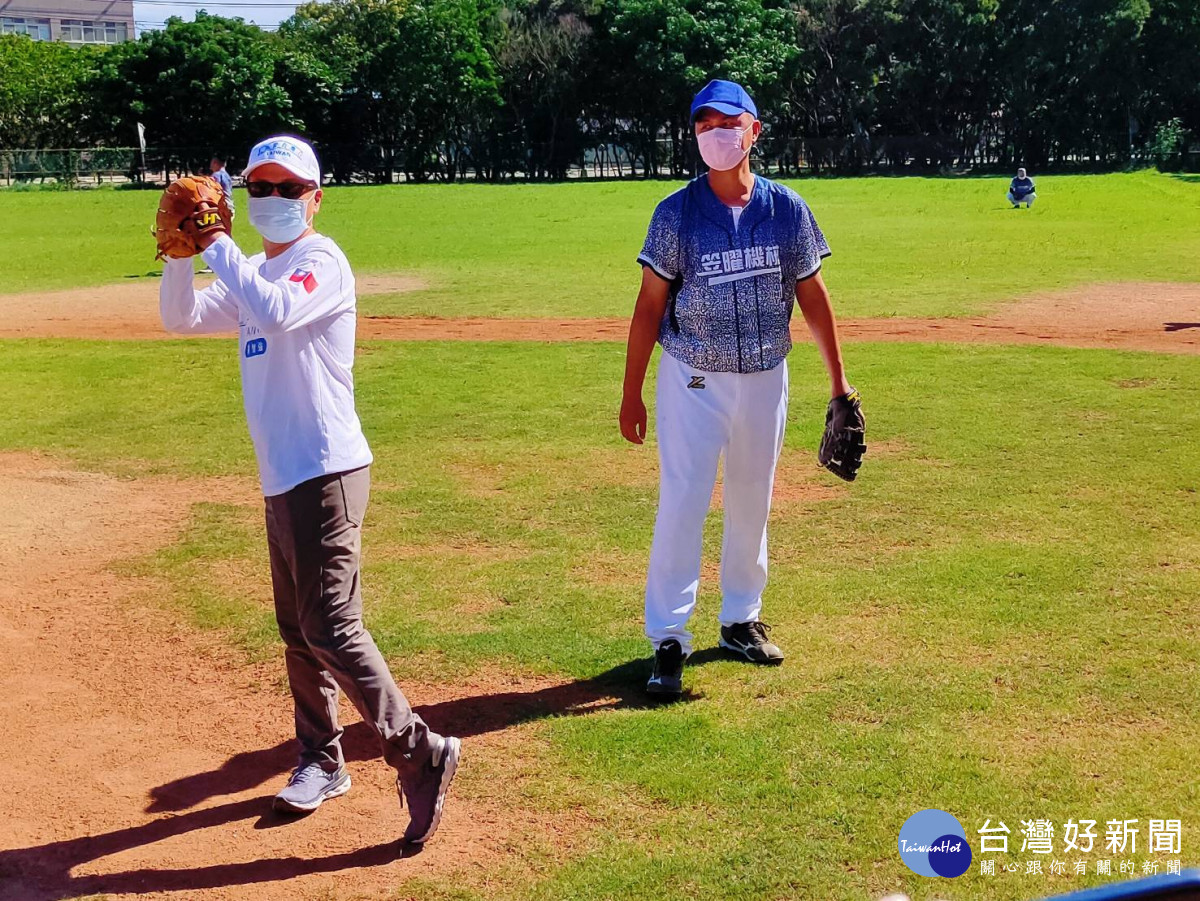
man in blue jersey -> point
(1020, 190)
(220, 174)
(724, 260)
(217, 167)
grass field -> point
(902, 246)
(997, 619)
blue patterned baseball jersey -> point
(732, 289)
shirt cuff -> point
(810, 272)
(658, 270)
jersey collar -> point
(719, 213)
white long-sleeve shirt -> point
(295, 314)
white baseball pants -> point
(700, 417)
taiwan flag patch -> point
(306, 278)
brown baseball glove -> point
(190, 208)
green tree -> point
(1168, 145)
(415, 76)
(1067, 77)
(542, 50)
(655, 54)
(830, 102)
(313, 88)
(937, 89)
(43, 92)
(197, 86)
(1170, 65)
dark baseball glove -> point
(190, 208)
(844, 441)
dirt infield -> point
(147, 754)
(1155, 316)
(128, 311)
(1163, 317)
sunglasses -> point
(292, 190)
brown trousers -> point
(314, 534)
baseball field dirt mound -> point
(483, 328)
(128, 311)
(1154, 316)
(144, 755)
(1162, 317)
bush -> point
(1168, 145)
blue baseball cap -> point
(726, 97)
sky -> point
(149, 14)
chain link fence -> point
(372, 164)
(81, 167)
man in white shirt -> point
(294, 307)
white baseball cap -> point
(294, 154)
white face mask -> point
(721, 148)
(278, 219)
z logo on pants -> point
(697, 382)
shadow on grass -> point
(617, 688)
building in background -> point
(73, 21)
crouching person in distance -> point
(1021, 191)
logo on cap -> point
(294, 154)
(277, 149)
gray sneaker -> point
(425, 793)
(310, 786)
